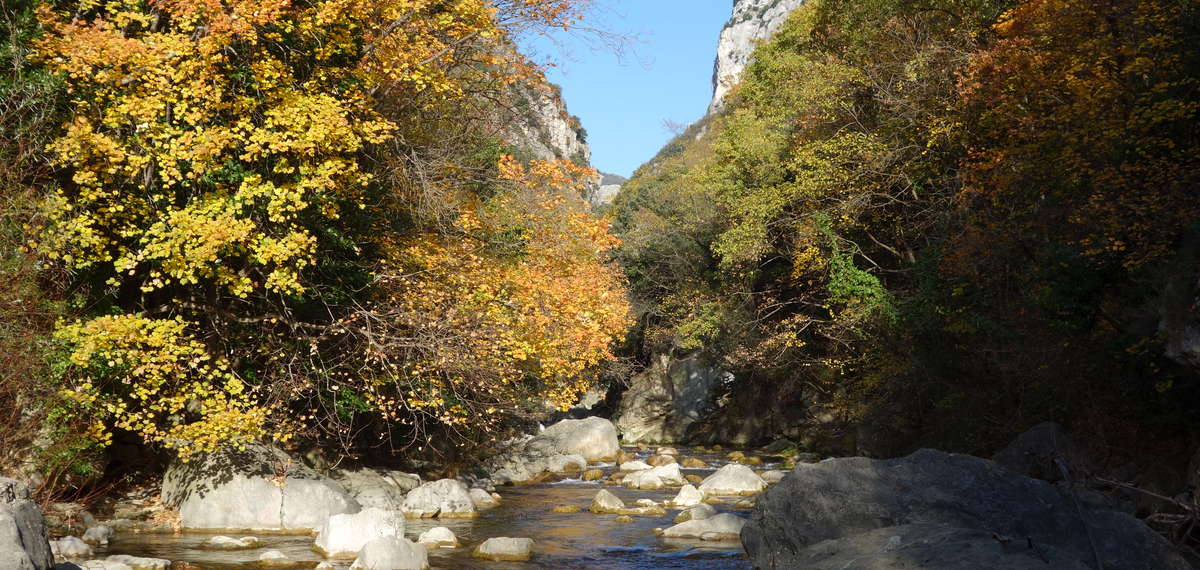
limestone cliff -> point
(751, 22)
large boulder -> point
(446, 498)
(606, 502)
(595, 439)
(256, 488)
(342, 536)
(23, 541)
(958, 501)
(732, 479)
(392, 553)
(375, 488)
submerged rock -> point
(98, 535)
(258, 488)
(505, 548)
(343, 536)
(392, 553)
(141, 562)
(446, 498)
(732, 479)
(229, 543)
(944, 509)
(593, 475)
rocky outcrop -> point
(944, 510)
(566, 446)
(23, 540)
(667, 398)
(542, 125)
(258, 488)
(607, 188)
(752, 22)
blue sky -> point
(666, 73)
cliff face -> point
(544, 128)
(752, 21)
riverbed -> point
(561, 540)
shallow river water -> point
(561, 540)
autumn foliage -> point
(233, 209)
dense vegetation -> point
(227, 221)
(942, 221)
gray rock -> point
(723, 526)
(392, 553)
(842, 498)
(688, 495)
(667, 398)
(23, 541)
(70, 547)
(635, 465)
(606, 502)
(438, 537)
(447, 498)
(1033, 453)
(732, 479)
(505, 548)
(274, 558)
(773, 476)
(229, 543)
(695, 512)
(373, 488)
(259, 488)
(483, 499)
(655, 478)
(752, 21)
(343, 536)
(595, 439)
(98, 535)
(140, 562)
(936, 547)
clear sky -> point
(664, 74)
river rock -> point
(688, 495)
(732, 479)
(666, 451)
(98, 535)
(447, 498)
(505, 548)
(343, 536)
(374, 488)
(723, 526)
(392, 553)
(140, 562)
(635, 466)
(655, 478)
(606, 502)
(23, 541)
(229, 543)
(241, 489)
(565, 463)
(70, 547)
(693, 463)
(948, 505)
(483, 499)
(438, 537)
(623, 519)
(779, 446)
(593, 475)
(660, 460)
(695, 512)
(773, 476)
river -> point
(561, 540)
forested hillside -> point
(232, 221)
(936, 224)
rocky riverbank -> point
(571, 496)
